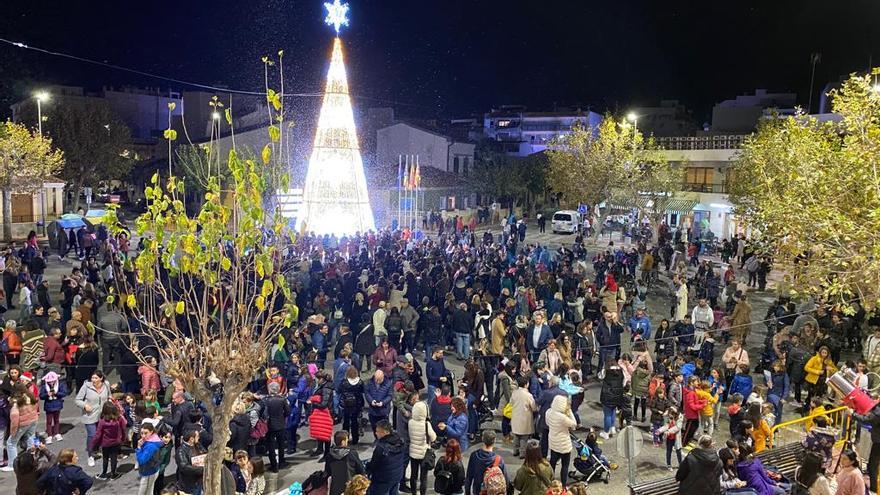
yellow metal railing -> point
(795, 430)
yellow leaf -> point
(267, 289)
(130, 301)
(110, 300)
(260, 302)
(172, 106)
(170, 134)
(178, 308)
(267, 153)
(259, 267)
(225, 264)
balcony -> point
(705, 188)
(721, 142)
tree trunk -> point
(77, 190)
(220, 416)
(600, 221)
(7, 214)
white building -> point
(523, 133)
(433, 149)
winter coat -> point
(640, 380)
(365, 342)
(64, 479)
(22, 416)
(421, 434)
(379, 392)
(816, 366)
(276, 410)
(29, 467)
(389, 460)
(109, 433)
(56, 403)
(528, 482)
(693, 404)
(711, 400)
(240, 432)
(795, 361)
(148, 456)
(700, 472)
(560, 420)
(762, 437)
(478, 463)
(457, 428)
(351, 395)
(524, 407)
(658, 407)
(672, 427)
(342, 464)
(753, 473)
(612, 387)
(189, 477)
(435, 369)
(440, 409)
(149, 379)
(456, 480)
(320, 420)
(386, 358)
(89, 395)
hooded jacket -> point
(389, 460)
(148, 456)
(700, 473)
(528, 482)
(441, 408)
(612, 387)
(457, 428)
(63, 479)
(421, 434)
(89, 395)
(560, 421)
(753, 473)
(479, 461)
(239, 432)
(342, 464)
(109, 433)
(351, 395)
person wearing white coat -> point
(522, 415)
(681, 295)
(560, 420)
(420, 437)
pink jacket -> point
(22, 417)
(149, 379)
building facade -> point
(433, 149)
(522, 133)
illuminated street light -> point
(40, 96)
(216, 115)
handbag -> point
(507, 411)
(430, 458)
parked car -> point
(568, 221)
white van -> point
(568, 221)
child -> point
(742, 382)
(768, 413)
(758, 395)
(593, 444)
(53, 393)
(676, 390)
(149, 376)
(707, 413)
(707, 352)
(816, 407)
(556, 488)
(671, 432)
(150, 399)
(717, 383)
(258, 480)
(735, 413)
(109, 436)
(273, 375)
(658, 405)
(128, 405)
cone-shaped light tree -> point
(335, 198)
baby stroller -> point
(588, 466)
(484, 412)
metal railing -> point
(719, 142)
(839, 419)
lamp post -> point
(42, 96)
(632, 117)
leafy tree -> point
(510, 179)
(611, 164)
(813, 188)
(26, 160)
(210, 288)
(94, 142)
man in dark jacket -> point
(544, 401)
(608, 335)
(435, 368)
(29, 466)
(276, 409)
(180, 414)
(431, 327)
(342, 463)
(189, 477)
(345, 337)
(462, 324)
(388, 464)
(872, 418)
(239, 431)
(440, 408)
(701, 470)
(378, 394)
(480, 461)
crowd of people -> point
(534, 329)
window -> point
(455, 165)
(450, 203)
(699, 175)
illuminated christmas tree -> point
(335, 197)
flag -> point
(418, 176)
(399, 173)
(412, 177)
(403, 178)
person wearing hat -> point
(52, 393)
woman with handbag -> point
(421, 457)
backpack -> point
(442, 477)
(316, 483)
(494, 482)
(349, 400)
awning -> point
(681, 205)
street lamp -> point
(40, 96)
(632, 117)
(216, 115)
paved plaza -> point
(648, 465)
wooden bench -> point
(783, 458)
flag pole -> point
(399, 175)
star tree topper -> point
(337, 14)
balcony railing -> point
(721, 142)
(706, 188)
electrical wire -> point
(77, 58)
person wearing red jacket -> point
(692, 407)
(149, 376)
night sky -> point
(450, 58)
